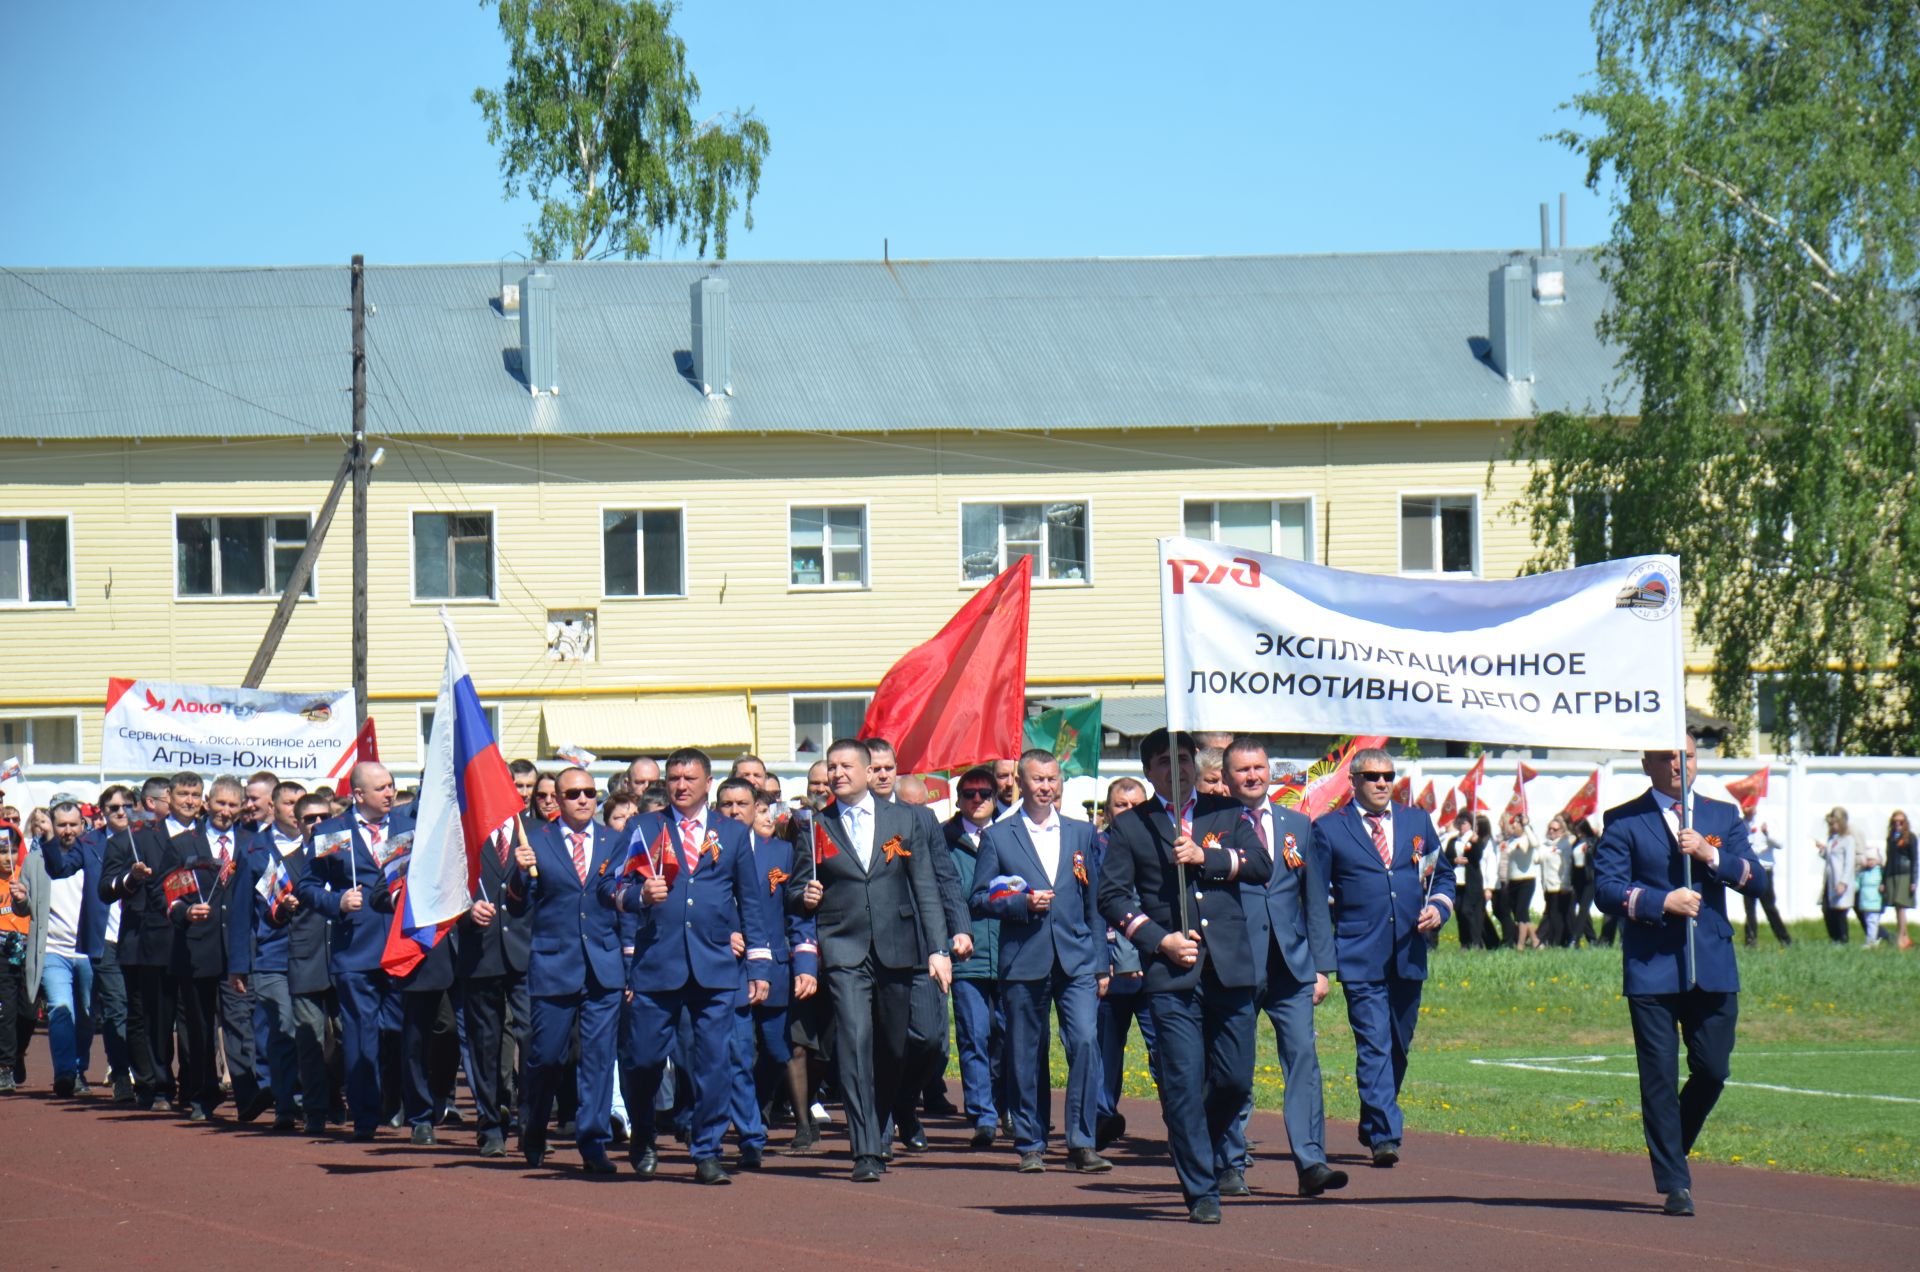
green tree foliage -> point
(1762, 271)
(596, 121)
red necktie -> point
(1380, 844)
(501, 840)
(1260, 829)
(221, 845)
(373, 835)
(689, 847)
(579, 838)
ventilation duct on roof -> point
(1510, 322)
(1549, 272)
(711, 368)
(538, 362)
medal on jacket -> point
(1080, 867)
(892, 848)
(1211, 841)
(775, 877)
(711, 848)
(1290, 851)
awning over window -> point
(649, 726)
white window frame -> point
(600, 533)
(960, 540)
(27, 757)
(1399, 534)
(1273, 523)
(793, 721)
(422, 710)
(866, 547)
(493, 557)
(272, 596)
(26, 588)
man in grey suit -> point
(866, 875)
(1292, 934)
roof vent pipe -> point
(711, 367)
(1510, 323)
(537, 353)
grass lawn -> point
(1536, 1047)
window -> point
(35, 567)
(818, 721)
(643, 552)
(237, 556)
(40, 739)
(426, 727)
(1281, 527)
(1438, 534)
(453, 556)
(827, 547)
(994, 536)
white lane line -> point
(1537, 1064)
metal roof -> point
(847, 346)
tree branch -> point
(1746, 204)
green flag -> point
(1073, 734)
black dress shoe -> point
(1087, 1162)
(252, 1109)
(1234, 1184)
(752, 1157)
(1319, 1178)
(1386, 1153)
(493, 1144)
(709, 1171)
(1032, 1163)
(63, 1087)
(804, 1145)
(1679, 1204)
(285, 1125)
(365, 1136)
(866, 1170)
(316, 1126)
(982, 1137)
(914, 1141)
(1108, 1129)
(534, 1149)
(1205, 1210)
(144, 1101)
(596, 1162)
(122, 1090)
(423, 1134)
(646, 1162)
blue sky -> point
(215, 132)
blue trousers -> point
(1382, 1014)
(294, 1044)
(1288, 1003)
(759, 1047)
(649, 1037)
(595, 1012)
(1204, 1048)
(368, 1007)
(1028, 1087)
(979, 1033)
(1118, 1010)
(110, 1010)
(67, 985)
(1671, 1115)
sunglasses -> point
(976, 792)
(313, 819)
(1373, 777)
(579, 792)
(118, 808)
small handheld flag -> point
(180, 883)
(656, 860)
(1000, 887)
(332, 842)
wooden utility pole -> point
(297, 581)
(357, 456)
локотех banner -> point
(158, 726)
(1589, 657)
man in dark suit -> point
(684, 962)
(1293, 949)
(130, 875)
(1666, 875)
(866, 875)
(1052, 948)
(979, 1018)
(429, 1058)
(341, 881)
(212, 854)
(1390, 888)
(490, 970)
(1199, 976)
(574, 971)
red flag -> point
(938, 788)
(1470, 787)
(1329, 784)
(824, 849)
(659, 860)
(180, 883)
(1450, 807)
(1585, 801)
(960, 699)
(1750, 790)
(1426, 800)
(1518, 804)
(365, 747)
(405, 950)
(1402, 790)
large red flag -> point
(1585, 802)
(1426, 799)
(1326, 784)
(960, 699)
(1518, 804)
(365, 747)
(1750, 790)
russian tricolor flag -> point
(466, 794)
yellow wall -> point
(740, 624)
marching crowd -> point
(696, 957)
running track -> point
(88, 1185)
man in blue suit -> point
(1292, 935)
(1199, 982)
(684, 959)
(762, 1053)
(1381, 860)
(1641, 875)
(340, 881)
(1052, 948)
(574, 971)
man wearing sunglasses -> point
(1380, 859)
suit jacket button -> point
(689, 922)
(1203, 923)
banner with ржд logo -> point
(1589, 657)
(159, 726)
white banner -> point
(1588, 658)
(158, 726)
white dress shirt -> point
(1046, 842)
(858, 819)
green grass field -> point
(1536, 1047)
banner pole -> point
(1173, 750)
(1686, 790)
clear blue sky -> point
(263, 132)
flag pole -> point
(1686, 792)
(1173, 786)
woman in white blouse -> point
(1519, 850)
(1556, 884)
(1837, 896)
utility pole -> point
(358, 457)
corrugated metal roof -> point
(851, 346)
(716, 722)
